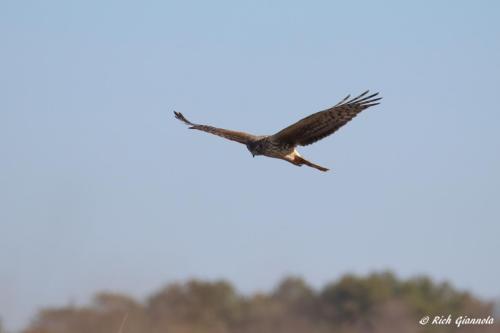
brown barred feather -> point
(240, 137)
(324, 123)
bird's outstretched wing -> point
(240, 137)
(321, 124)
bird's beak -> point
(253, 155)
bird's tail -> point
(300, 160)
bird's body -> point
(284, 151)
(283, 145)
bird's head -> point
(255, 148)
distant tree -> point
(297, 296)
(377, 303)
(112, 302)
(382, 286)
(207, 304)
(293, 290)
(425, 296)
(349, 300)
(112, 311)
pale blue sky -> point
(101, 188)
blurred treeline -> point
(375, 303)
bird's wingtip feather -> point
(181, 117)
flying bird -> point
(283, 145)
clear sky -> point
(102, 189)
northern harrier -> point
(283, 144)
